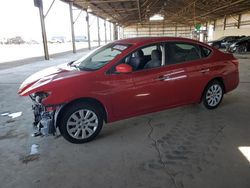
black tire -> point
(213, 94)
(74, 111)
(242, 49)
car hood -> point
(47, 76)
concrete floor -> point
(183, 147)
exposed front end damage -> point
(44, 117)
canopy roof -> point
(128, 12)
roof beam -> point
(138, 11)
(107, 1)
(104, 11)
(220, 8)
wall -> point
(231, 26)
(156, 29)
(161, 29)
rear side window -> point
(181, 52)
(205, 52)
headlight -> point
(39, 96)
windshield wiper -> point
(86, 69)
(72, 65)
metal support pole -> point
(110, 31)
(49, 9)
(163, 28)
(105, 31)
(225, 22)
(214, 25)
(149, 29)
(205, 34)
(239, 21)
(98, 32)
(87, 20)
(115, 32)
(44, 36)
(77, 16)
(175, 31)
(137, 30)
(72, 26)
(121, 30)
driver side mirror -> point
(123, 68)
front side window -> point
(181, 52)
(100, 57)
(145, 58)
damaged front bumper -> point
(44, 119)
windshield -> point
(244, 38)
(100, 57)
(222, 38)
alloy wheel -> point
(214, 95)
(82, 124)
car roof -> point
(148, 40)
(245, 38)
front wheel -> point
(242, 49)
(213, 95)
(81, 123)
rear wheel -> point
(81, 123)
(213, 95)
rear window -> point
(205, 52)
(181, 52)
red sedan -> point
(127, 78)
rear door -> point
(189, 70)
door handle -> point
(162, 78)
(204, 70)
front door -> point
(145, 89)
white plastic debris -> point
(15, 114)
(5, 114)
(34, 149)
